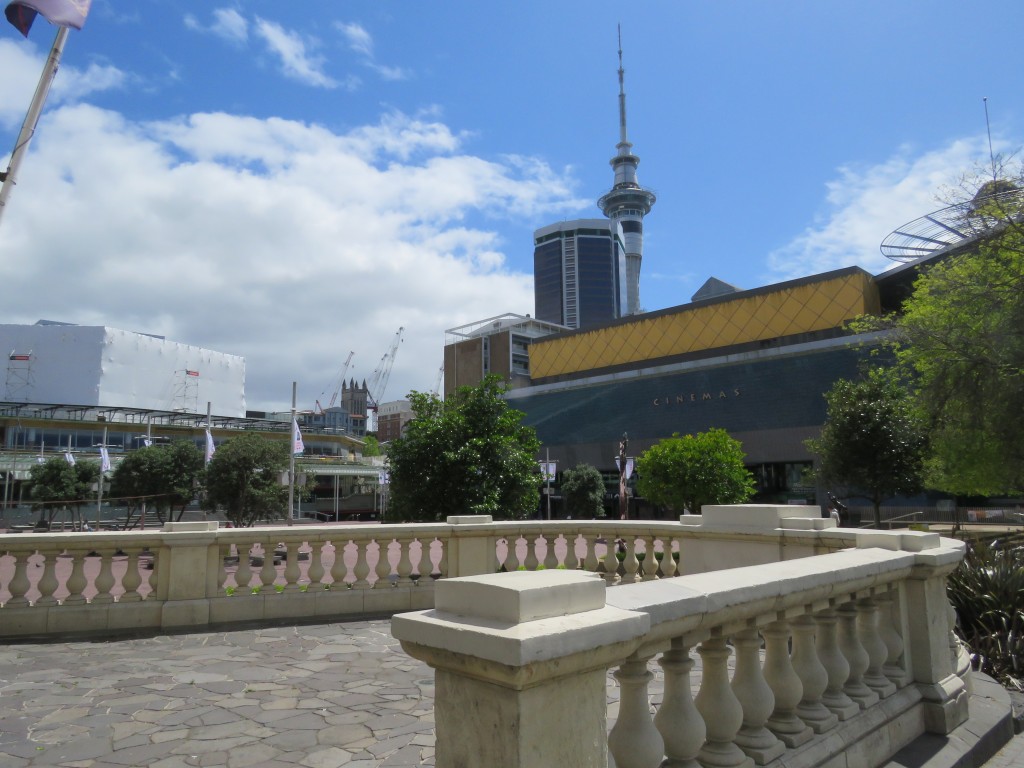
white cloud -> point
(866, 204)
(280, 241)
(228, 24)
(358, 38)
(297, 60)
(360, 41)
(22, 64)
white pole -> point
(35, 108)
(99, 485)
(149, 441)
(291, 459)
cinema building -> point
(753, 362)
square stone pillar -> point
(189, 564)
(520, 661)
(927, 623)
(469, 553)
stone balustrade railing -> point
(196, 575)
(840, 658)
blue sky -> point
(292, 181)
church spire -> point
(628, 202)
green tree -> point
(961, 339)
(56, 484)
(583, 492)
(873, 440)
(693, 470)
(371, 446)
(244, 479)
(466, 455)
(167, 478)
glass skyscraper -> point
(579, 272)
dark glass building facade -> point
(579, 273)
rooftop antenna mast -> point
(622, 94)
(988, 127)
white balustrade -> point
(813, 675)
(634, 741)
(680, 724)
(757, 699)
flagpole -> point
(35, 108)
(99, 485)
(291, 458)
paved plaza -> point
(320, 696)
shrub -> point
(987, 591)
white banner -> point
(209, 446)
(297, 445)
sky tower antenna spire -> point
(623, 141)
(627, 203)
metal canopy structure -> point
(953, 226)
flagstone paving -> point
(319, 696)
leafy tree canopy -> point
(467, 455)
(583, 492)
(167, 477)
(693, 470)
(873, 440)
(55, 482)
(244, 479)
(371, 446)
(961, 339)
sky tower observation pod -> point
(996, 203)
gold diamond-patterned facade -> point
(827, 301)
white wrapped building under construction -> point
(61, 363)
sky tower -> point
(628, 202)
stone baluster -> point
(104, 582)
(292, 572)
(315, 572)
(361, 571)
(590, 561)
(785, 684)
(243, 576)
(48, 583)
(19, 584)
(383, 568)
(531, 562)
(720, 709)
(630, 565)
(874, 645)
(813, 676)
(650, 562)
(680, 724)
(893, 668)
(224, 553)
(268, 573)
(550, 557)
(836, 665)
(634, 741)
(154, 577)
(404, 568)
(611, 561)
(442, 564)
(857, 657)
(338, 568)
(572, 561)
(76, 583)
(668, 562)
(132, 579)
(756, 698)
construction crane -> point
(437, 383)
(379, 380)
(339, 383)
